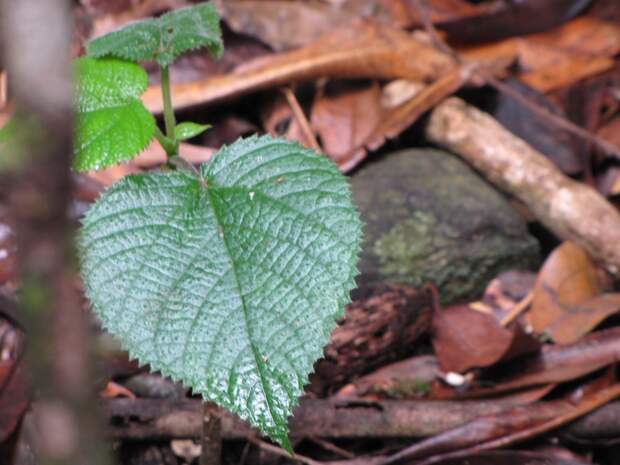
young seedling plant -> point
(228, 277)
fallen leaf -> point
(285, 24)
(509, 427)
(564, 55)
(506, 19)
(399, 118)
(409, 378)
(355, 121)
(567, 279)
(344, 122)
(580, 319)
(464, 338)
(362, 49)
(559, 363)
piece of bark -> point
(572, 210)
(157, 419)
(378, 329)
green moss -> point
(429, 217)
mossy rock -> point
(430, 218)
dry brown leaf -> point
(408, 378)
(464, 338)
(284, 24)
(580, 319)
(559, 363)
(509, 427)
(344, 122)
(554, 59)
(355, 121)
(396, 120)
(363, 49)
(567, 279)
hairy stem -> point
(173, 149)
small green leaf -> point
(188, 130)
(231, 280)
(112, 123)
(163, 39)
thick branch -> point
(572, 210)
(156, 419)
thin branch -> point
(301, 119)
(519, 308)
(281, 452)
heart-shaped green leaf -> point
(163, 39)
(112, 123)
(230, 280)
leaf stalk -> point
(172, 148)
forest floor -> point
(482, 140)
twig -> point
(281, 452)
(301, 118)
(519, 308)
(332, 447)
(597, 400)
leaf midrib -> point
(256, 355)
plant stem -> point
(168, 112)
(211, 434)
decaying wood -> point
(377, 330)
(572, 210)
(143, 419)
(156, 419)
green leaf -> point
(112, 123)
(188, 130)
(230, 281)
(163, 39)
